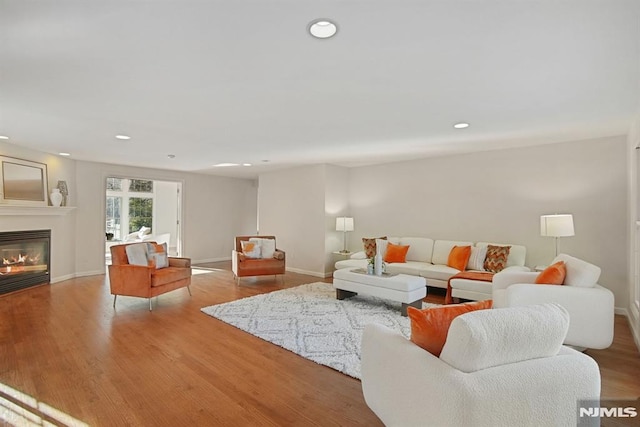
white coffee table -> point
(403, 288)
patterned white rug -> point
(309, 321)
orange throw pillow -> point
(396, 253)
(459, 257)
(429, 327)
(552, 275)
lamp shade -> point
(344, 223)
(556, 225)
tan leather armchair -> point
(146, 281)
(247, 267)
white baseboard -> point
(203, 261)
(621, 310)
(309, 273)
(58, 279)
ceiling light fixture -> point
(461, 125)
(4, 137)
(65, 154)
(123, 137)
(171, 156)
(246, 164)
(225, 165)
(322, 28)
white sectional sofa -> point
(428, 258)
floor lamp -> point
(558, 225)
(344, 224)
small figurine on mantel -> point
(62, 186)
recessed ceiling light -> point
(246, 164)
(4, 137)
(461, 125)
(265, 161)
(125, 137)
(225, 165)
(322, 28)
(171, 156)
(64, 154)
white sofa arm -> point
(591, 310)
(506, 278)
(407, 386)
(515, 268)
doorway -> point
(138, 210)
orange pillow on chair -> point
(459, 257)
(429, 327)
(552, 275)
(396, 253)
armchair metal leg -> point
(150, 307)
(189, 289)
(237, 280)
(114, 300)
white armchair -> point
(503, 367)
(590, 306)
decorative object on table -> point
(309, 321)
(64, 190)
(370, 265)
(557, 225)
(23, 182)
(344, 224)
(109, 236)
(55, 197)
(378, 263)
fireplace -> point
(24, 259)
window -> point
(129, 206)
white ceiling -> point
(242, 81)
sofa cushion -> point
(169, 275)
(413, 268)
(476, 286)
(351, 263)
(396, 253)
(579, 272)
(429, 326)
(458, 257)
(442, 249)
(552, 275)
(476, 258)
(439, 272)
(137, 254)
(420, 248)
(263, 263)
(369, 244)
(487, 338)
(496, 259)
(517, 253)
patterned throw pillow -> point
(496, 259)
(157, 254)
(370, 245)
(250, 249)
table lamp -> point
(344, 224)
(558, 225)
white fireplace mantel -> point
(34, 210)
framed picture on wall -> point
(23, 182)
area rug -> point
(309, 321)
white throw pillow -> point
(251, 248)
(143, 230)
(137, 254)
(359, 255)
(268, 247)
(476, 260)
(485, 338)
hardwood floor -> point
(64, 346)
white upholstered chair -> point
(590, 306)
(502, 367)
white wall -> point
(215, 209)
(336, 204)
(633, 155)
(499, 196)
(291, 206)
(166, 209)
